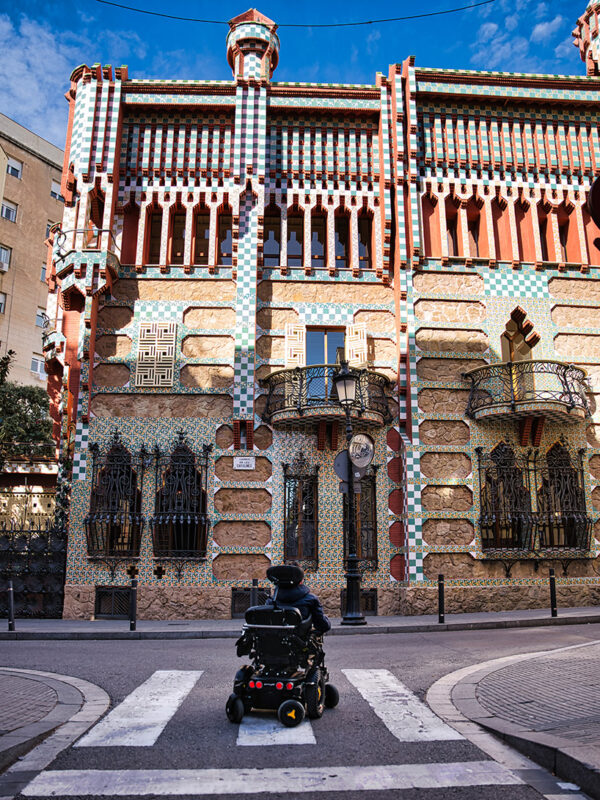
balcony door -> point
(324, 349)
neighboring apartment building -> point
(228, 243)
(30, 203)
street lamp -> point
(345, 386)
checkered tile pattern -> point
(516, 283)
(81, 446)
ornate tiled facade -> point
(434, 233)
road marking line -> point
(140, 719)
(198, 782)
(265, 729)
(403, 714)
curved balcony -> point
(523, 388)
(305, 395)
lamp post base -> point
(353, 615)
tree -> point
(25, 424)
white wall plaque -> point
(244, 462)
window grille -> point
(368, 602)
(365, 509)
(112, 602)
(240, 601)
(180, 522)
(114, 524)
(530, 501)
(301, 512)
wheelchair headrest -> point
(285, 575)
(269, 615)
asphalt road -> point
(197, 735)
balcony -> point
(513, 390)
(307, 395)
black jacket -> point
(306, 603)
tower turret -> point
(252, 46)
(587, 37)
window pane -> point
(341, 241)
(5, 253)
(365, 229)
(9, 211)
(2, 302)
(40, 317)
(317, 245)
(48, 226)
(201, 238)
(295, 241)
(155, 231)
(177, 240)
(14, 167)
(335, 347)
(55, 191)
(315, 347)
(225, 242)
(272, 241)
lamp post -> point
(345, 385)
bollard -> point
(11, 607)
(440, 598)
(133, 605)
(254, 592)
(553, 609)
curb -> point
(84, 704)
(454, 698)
(335, 631)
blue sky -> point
(41, 41)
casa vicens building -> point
(228, 247)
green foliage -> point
(25, 424)
(5, 364)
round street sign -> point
(362, 449)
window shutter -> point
(356, 344)
(295, 345)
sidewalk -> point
(230, 628)
(546, 706)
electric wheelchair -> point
(288, 672)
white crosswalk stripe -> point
(401, 711)
(140, 719)
(259, 728)
(288, 781)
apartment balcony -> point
(307, 395)
(514, 390)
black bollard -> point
(254, 592)
(553, 609)
(133, 605)
(440, 598)
(11, 607)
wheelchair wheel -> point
(332, 696)
(314, 694)
(290, 713)
(234, 709)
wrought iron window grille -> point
(115, 522)
(365, 509)
(532, 505)
(180, 523)
(301, 512)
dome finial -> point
(252, 46)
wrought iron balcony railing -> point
(514, 389)
(308, 393)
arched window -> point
(201, 234)
(342, 239)
(114, 523)
(154, 216)
(131, 219)
(301, 512)
(365, 239)
(475, 230)
(177, 216)
(180, 522)
(563, 520)
(365, 509)
(318, 238)
(295, 237)
(568, 235)
(224, 236)
(432, 242)
(272, 236)
(506, 520)
(545, 230)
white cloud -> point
(487, 31)
(511, 22)
(565, 49)
(544, 30)
(35, 64)
(372, 40)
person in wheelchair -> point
(284, 640)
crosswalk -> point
(144, 715)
